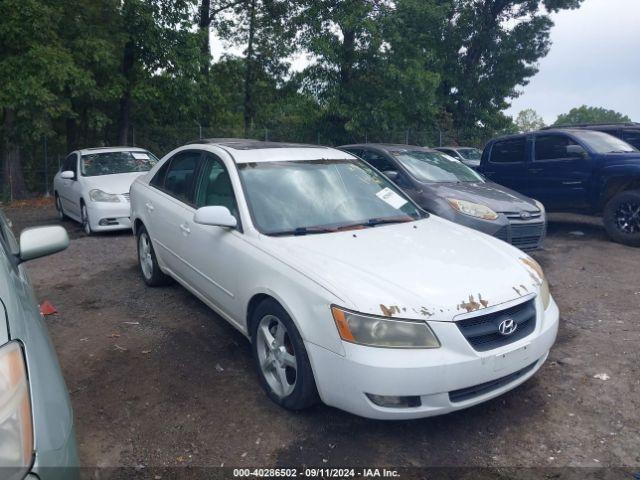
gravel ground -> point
(157, 379)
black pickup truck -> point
(572, 170)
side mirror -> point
(576, 151)
(391, 175)
(68, 175)
(215, 217)
(42, 241)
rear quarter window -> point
(509, 151)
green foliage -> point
(585, 114)
(85, 73)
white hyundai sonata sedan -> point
(92, 186)
(347, 291)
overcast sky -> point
(594, 60)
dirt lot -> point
(157, 379)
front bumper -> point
(104, 216)
(435, 375)
(523, 234)
(61, 464)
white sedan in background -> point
(92, 186)
(346, 289)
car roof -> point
(583, 126)
(251, 151)
(87, 151)
(386, 146)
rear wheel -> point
(149, 268)
(281, 358)
(622, 218)
(59, 208)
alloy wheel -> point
(145, 257)
(59, 208)
(276, 356)
(628, 217)
(85, 220)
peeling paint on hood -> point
(429, 270)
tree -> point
(34, 68)
(156, 38)
(489, 48)
(528, 121)
(585, 114)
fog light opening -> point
(389, 401)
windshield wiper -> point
(304, 231)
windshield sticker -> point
(140, 156)
(392, 198)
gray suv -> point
(37, 438)
(448, 188)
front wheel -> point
(84, 217)
(622, 218)
(281, 358)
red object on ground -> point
(46, 308)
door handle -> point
(535, 170)
(150, 207)
(185, 229)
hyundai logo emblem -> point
(507, 327)
(525, 215)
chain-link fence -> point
(41, 161)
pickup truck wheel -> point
(281, 358)
(149, 268)
(622, 218)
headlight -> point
(383, 332)
(540, 206)
(539, 277)
(472, 209)
(100, 196)
(16, 429)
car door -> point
(560, 171)
(67, 188)
(213, 252)
(170, 208)
(507, 163)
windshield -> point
(110, 163)
(317, 196)
(470, 153)
(603, 142)
(431, 166)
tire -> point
(293, 388)
(147, 261)
(622, 218)
(84, 216)
(59, 209)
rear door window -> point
(180, 178)
(509, 151)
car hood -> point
(430, 269)
(494, 196)
(118, 184)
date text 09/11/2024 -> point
(315, 473)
